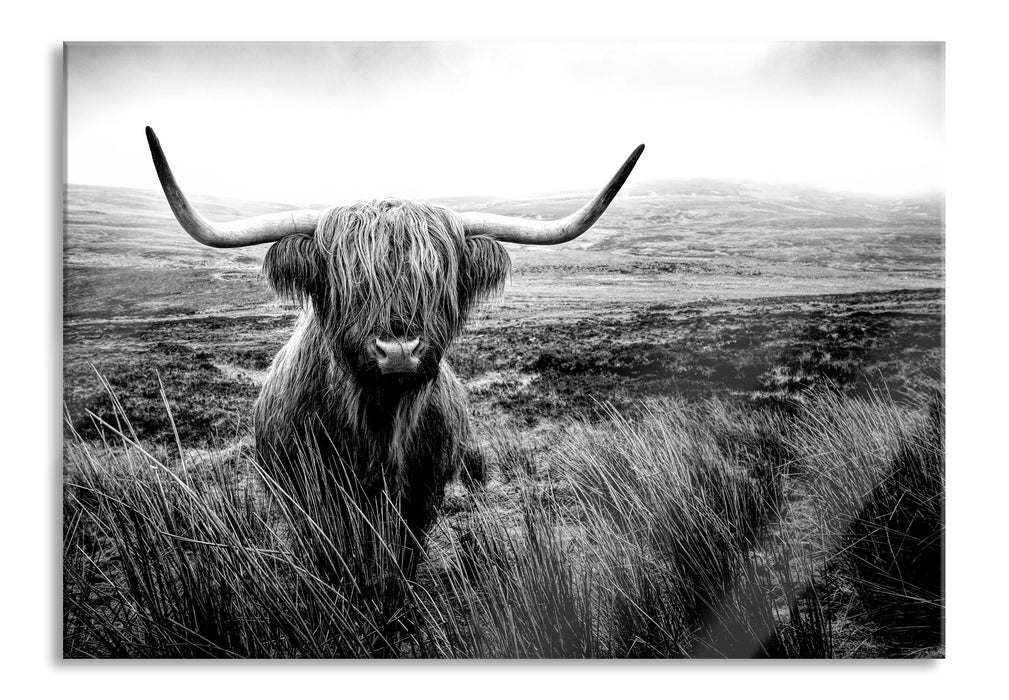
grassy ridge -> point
(693, 530)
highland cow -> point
(385, 288)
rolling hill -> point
(671, 220)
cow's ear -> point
(484, 268)
(293, 267)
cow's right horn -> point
(234, 234)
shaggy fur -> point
(388, 269)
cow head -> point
(391, 282)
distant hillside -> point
(701, 218)
(125, 226)
(660, 220)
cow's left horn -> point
(234, 234)
(517, 230)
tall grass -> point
(186, 560)
(208, 556)
(876, 475)
(694, 530)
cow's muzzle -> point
(397, 356)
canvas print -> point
(503, 350)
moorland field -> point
(711, 426)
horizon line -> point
(936, 192)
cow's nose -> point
(397, 356)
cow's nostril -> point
(380, 352)
(412, 347)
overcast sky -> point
(331, 123)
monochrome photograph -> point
(503, 350)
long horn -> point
(516, 230)
(234, 234)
